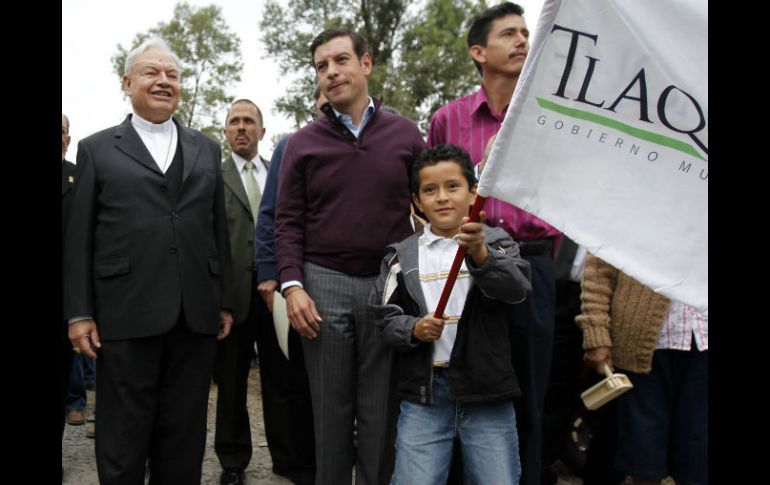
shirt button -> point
(163, 188)
(175, 215)
(501, 221)
(172, 249)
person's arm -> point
(436, 131)
(302, 313)
(222, 241)
(487, 151)
(290, 213)
(264, 251)
(78, 257)
(266, 290)
(388, 308)
(597, 288)
(84, 337)
(503, 275)
(471, 237)
(418, 146)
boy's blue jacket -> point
(480, 365)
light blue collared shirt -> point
(348, 121)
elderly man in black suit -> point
(147, 275)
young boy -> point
(453, 375)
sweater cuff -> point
(293, 273)
(475, 269)
(596, 337)
(267, 271)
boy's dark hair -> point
(360, 44)
(442, 153)
(482, 24)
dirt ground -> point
(79, 462)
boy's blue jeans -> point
(426, 432)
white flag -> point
(606, 137)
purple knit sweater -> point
(342, 200)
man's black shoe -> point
(231, 476)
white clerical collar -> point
(143, 124)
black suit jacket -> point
(68, 170)
(134, 258)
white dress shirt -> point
(260, 172)
(436, 255)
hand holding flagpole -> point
(461, 251)
(458, 261)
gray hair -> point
(152, 42)
(66, 122)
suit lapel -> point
(190, 149)
(127, 141)
(233, 181)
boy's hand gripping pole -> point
(458, 261)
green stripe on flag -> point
(633, 131)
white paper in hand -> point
(281, 322)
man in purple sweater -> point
(343, 196)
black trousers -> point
(153, 403)
(532, 345)
(569, 377)
(286, 406)
(562, 398)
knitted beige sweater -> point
(620, 312)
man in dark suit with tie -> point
(244, 174)
(147, 271)
(67, 182)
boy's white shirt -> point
(436, 254)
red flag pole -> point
(458, 261)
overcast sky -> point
(92, 29)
